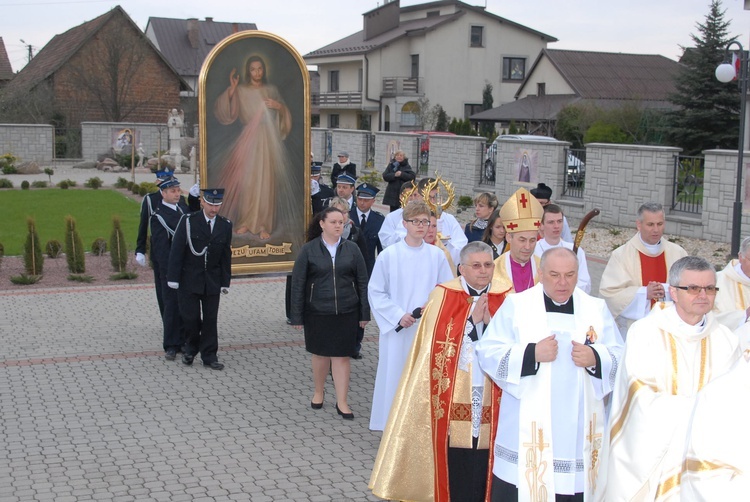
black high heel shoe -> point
(345, 416)
(317, 406)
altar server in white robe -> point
(670, 355)
(717, 463)
(392, 230)
(552, 225)
(404, 276)
(732, 306)
(554, 351)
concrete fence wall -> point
(97, 137)
(28, 142)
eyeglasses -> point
(420, 223)
(694, 290)
(480, 266)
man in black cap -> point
(319, 191)
(163, 224)
(343, 166)
(368, 221)
(200, 268)
(345, 189)
(543, 194)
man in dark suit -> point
(163, 225)
(320, 192)
(200, 269)
(343, 166)
(368, 221)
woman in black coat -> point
(329, 297)
(396, 174)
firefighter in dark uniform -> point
(163, 225)
(200, 268)
(319, 191)
(149, 204)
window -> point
(541, 89)
(410, 114)
(333, 81)
(470, 109)
(415, 66)
(514, 68)
(360, 79)
(477, 33)
(333, 121)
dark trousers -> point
(158, 285)
(506, 492)
(467, 473)
(200, 335)
(288, 297)
(174, 337)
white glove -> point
(224, 291)
(140, 259)
(173, 285)
(195, 190)
(314, 187)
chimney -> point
(235, 27)
(209, 19)
(192, 32)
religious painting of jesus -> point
(254, 113)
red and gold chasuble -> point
(444, 356)
(653, 268)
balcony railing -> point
(402, 86)
(337, 99)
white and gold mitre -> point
(521, 212)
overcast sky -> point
(634, 26)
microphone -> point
(416, 314)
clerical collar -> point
(170, 206)
(551, 305)
(472, 291)
(654, 249)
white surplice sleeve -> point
(386, 312)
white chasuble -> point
(733, 297)
(550, 434)
(666, 363)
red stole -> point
(653, 268)
(444, 355)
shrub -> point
(122, 183)
(32, 256)
(53, 248)
(123, 276)
(5, 183)
(150, 187)
(49, 172)
(8, 163)
(74, 251)
(9, 170)
(24, 185)
(24, 279)
(2, 252)
(135, 188)
(99, 246)
(118, 247)
(80, 278)
(64, 185)
(70, 183)
(142, 191)
(94, 183)
(39, 184)
(465, 202)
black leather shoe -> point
(316, 406)
(170, 355)
(345, 416)
(186, 359)
(216, 365)
(357, 356)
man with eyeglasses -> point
(732, 306)
(522, 216)
(404, 275)
(554, 352)
(670, 355)
(635, 278)
(444, 432)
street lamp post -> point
(726, 73)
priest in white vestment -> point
(554, 351)
(635, 278)
(404, 275)
(552, 224)
(717, 462)
(732, 306)
(670, 355)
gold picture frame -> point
(254, 119)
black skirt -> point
(331, 335)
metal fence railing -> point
(687, 191)
(487, 168)
(574, 173)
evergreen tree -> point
(74, 252)
(32, 256)
(118, 247)
(709, 114)
(442, 119)
(487, 129)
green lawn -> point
(92, 209)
